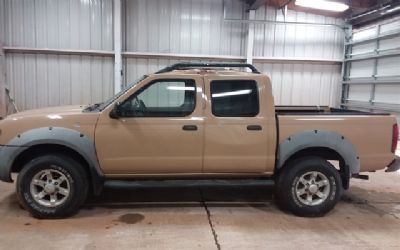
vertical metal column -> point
(346, 65)
(3, 108)
(117, 46)
(250, 38)
(375, 69)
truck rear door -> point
(237, 126)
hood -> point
(51, 111)
(72, 117)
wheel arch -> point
(95, 180)
(47, 140)
(325, 144)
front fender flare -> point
(51, 135)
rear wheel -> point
(52, 186)
(309, 186)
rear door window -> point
(234, 98)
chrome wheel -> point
(50, 188)
(312, 188)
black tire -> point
(288, 184)
(76, 178)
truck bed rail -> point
(320, 110)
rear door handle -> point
(254, 127)
(189, 127)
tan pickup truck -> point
(193, 121)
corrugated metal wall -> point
(386, 67)
(300, 84)
(307, 84)
(372, 74)
(50, 80)
(173, 26)
(184, 26)
(181, 27)
(178, 26)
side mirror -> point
(114, 114)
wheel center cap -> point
(313, 188)
(49, 188)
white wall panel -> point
(363, 48)
(51, 80)
(381, 68)
(365, 33)
(304, 41)
(389, 66)
(137, 67)
(197, 27)
(390, 43)
(159, 26)
(390, 26)
(300, 84)
(360, 92)
(362, 68)
(293, 84)
(387, 93)
(309, 84)
(58, 24)
(184, 26)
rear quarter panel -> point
(370, 135)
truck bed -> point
(369, 133)
(320, 110)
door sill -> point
(190, 176)
(117, 184)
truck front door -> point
(159, 129)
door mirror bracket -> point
(114, 114)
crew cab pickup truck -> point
(193, 121)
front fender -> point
(319, 138)
(48, 135)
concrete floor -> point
(368, 217)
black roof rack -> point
(207, 65)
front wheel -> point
(52, 186)
(309, 186)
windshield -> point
(103, 105)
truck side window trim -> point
(189, 100)
(248, 87)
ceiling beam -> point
(376, 13)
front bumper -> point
(394, 165)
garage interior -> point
(68, 52)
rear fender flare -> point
(319, 138)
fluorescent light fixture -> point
(180, 88)
(323, 5)
(239, 92)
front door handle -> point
(189, 127)
(254, 127)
